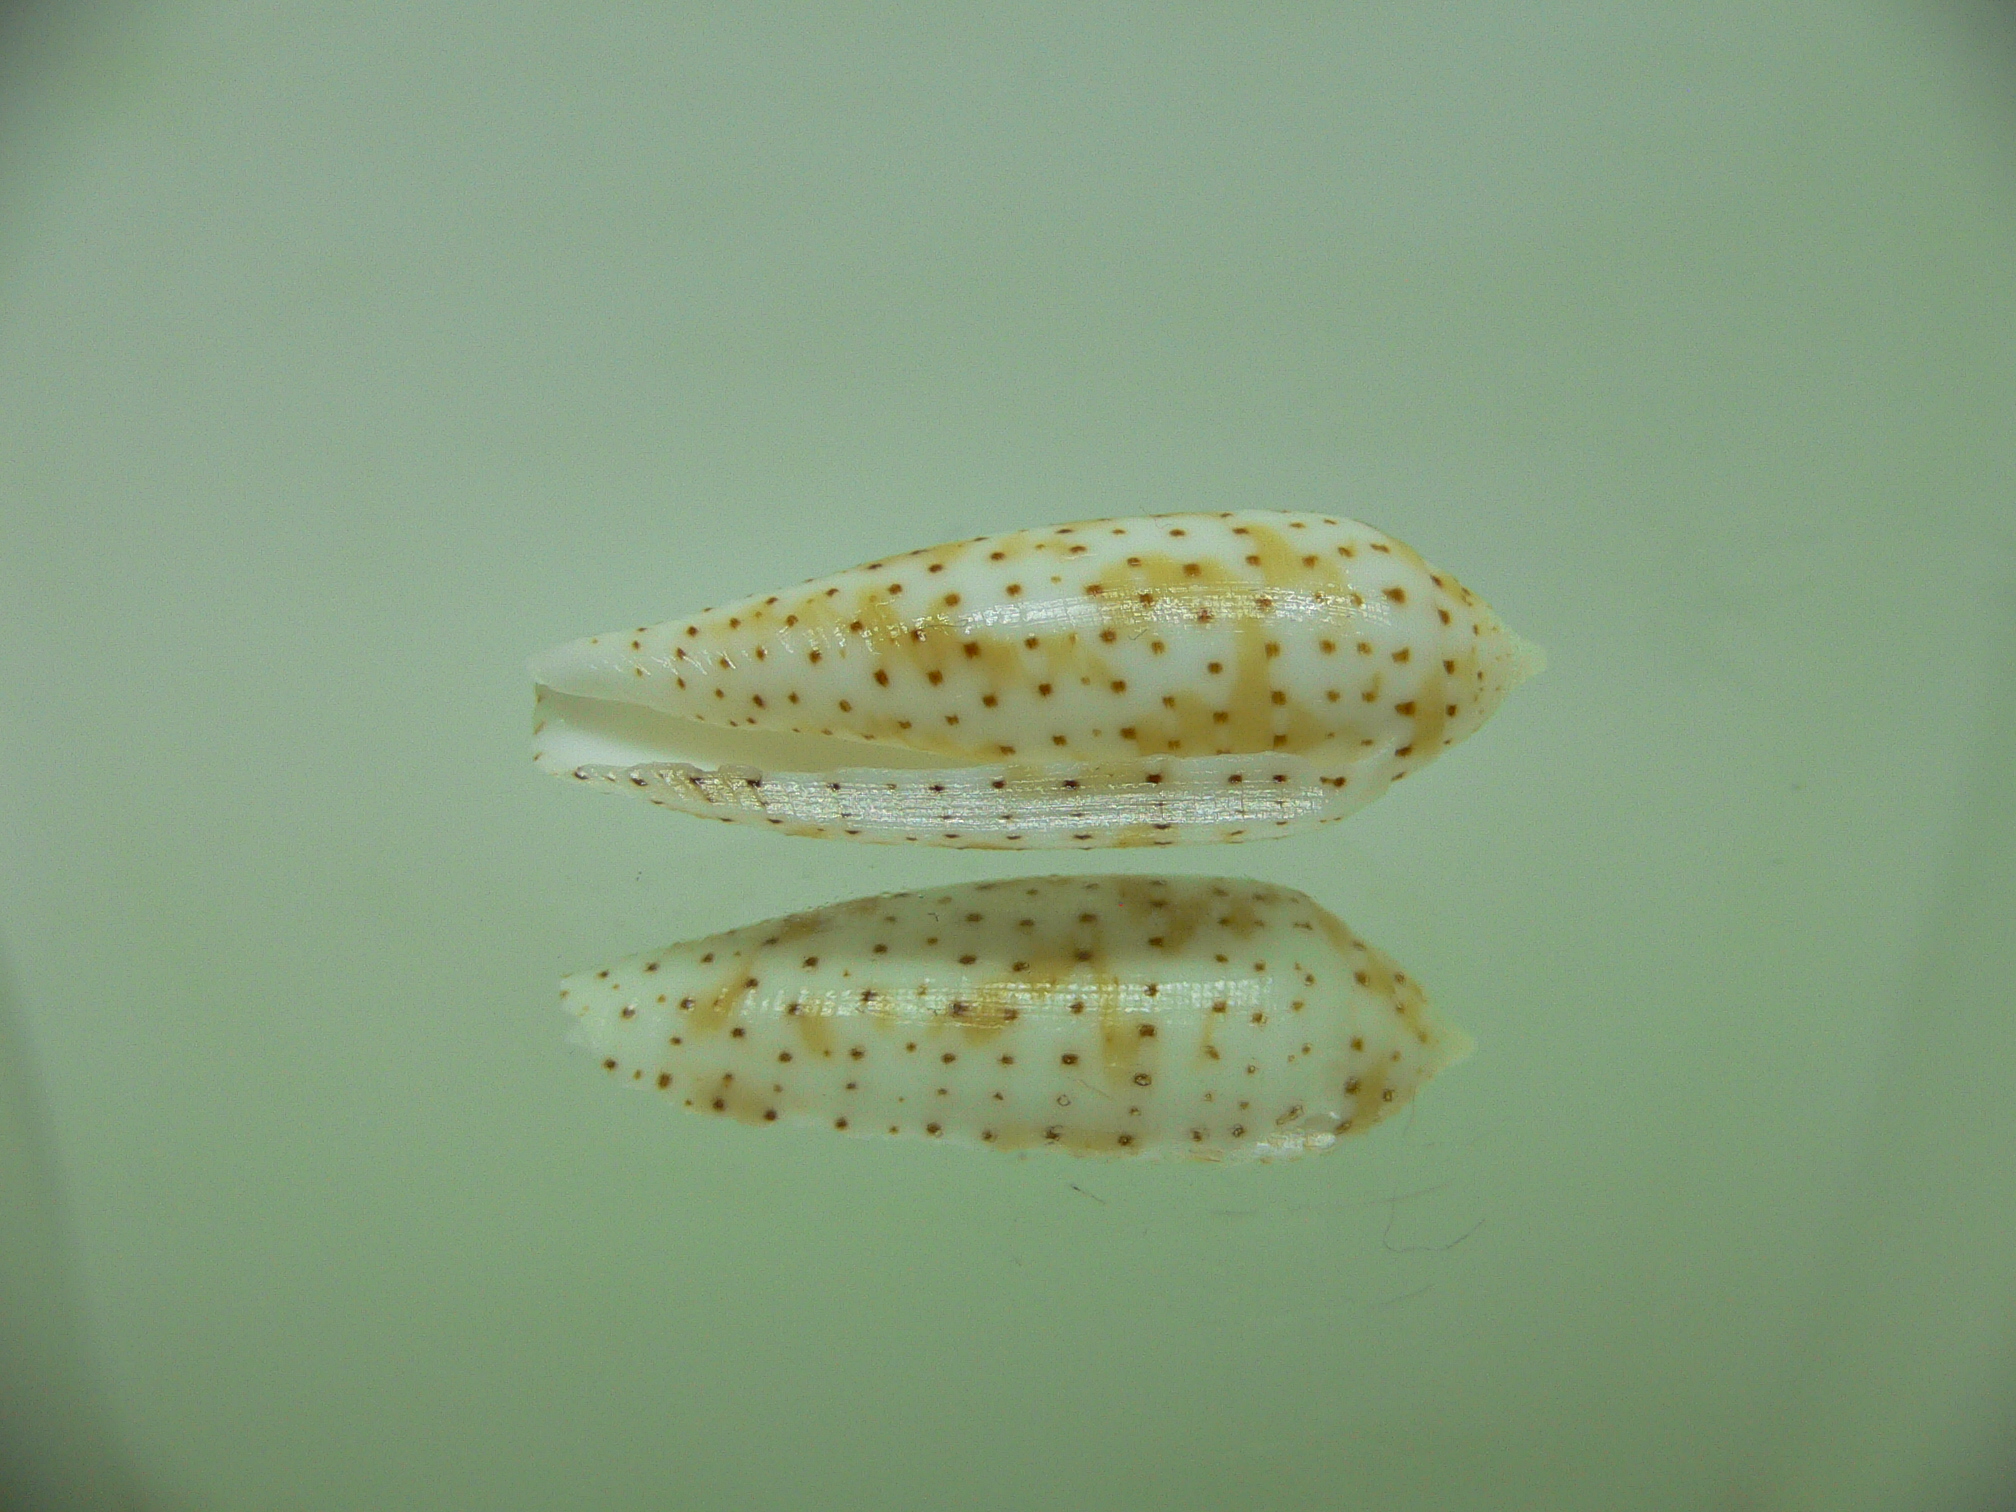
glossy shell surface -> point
(1196, 1017)
(1115, 682)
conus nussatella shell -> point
(1188, 1016)
(1117, 682)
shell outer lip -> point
(987, 805)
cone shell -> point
(1118, 682)
(1198, 1017)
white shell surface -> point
(1115, 682)
(1201, 1017)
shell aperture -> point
(1142, 681)
(1183, 1016)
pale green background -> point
(350, 354)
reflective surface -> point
(348, 359)
(1204, 1018)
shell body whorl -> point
(1138, 681)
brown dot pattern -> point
(1203, 1017)
(1309, 652)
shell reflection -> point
(1203, 1017)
